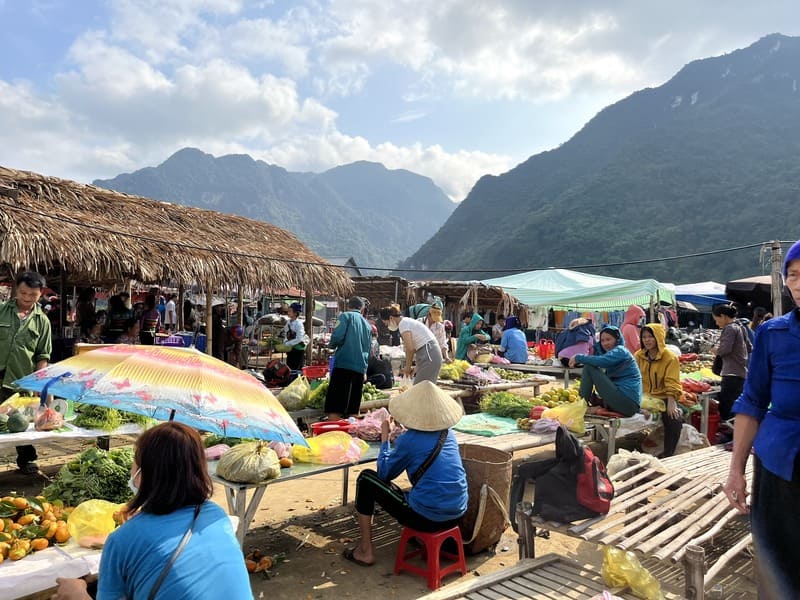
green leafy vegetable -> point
(94, 473)
(506, 404)
(107, 419)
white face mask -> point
(392, 326)
(131, 484)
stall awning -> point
(562, 289)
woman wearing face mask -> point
(171, 503)
(612, 372)
(419, 343)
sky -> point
(450, 89)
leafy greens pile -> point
(108, 419)
(506, 404)
(94, 473)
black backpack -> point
(277, 374)
(570, 487)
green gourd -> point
(252, 462)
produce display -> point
(17, 422)
(697, 362)
(506, 404)
(107, 419)
(48, 420)
(30, 524)
(317, 397)
(555, 397)
(510, 375)
(94, 473)
(252, 462)
(454, 370)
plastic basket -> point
(315, 372)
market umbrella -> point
(167, 383)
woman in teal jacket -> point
(613, 372)
(471, 334)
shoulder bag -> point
(165, 571)
(417, 475)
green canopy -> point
(562, 289)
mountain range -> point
(708, 160)
(361, 210)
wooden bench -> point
(550, 577)
(673, 516)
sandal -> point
(348, 555)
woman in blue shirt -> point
(513, 343)
(171, 496)
(438, 497)
(768, 421)
(612, 372)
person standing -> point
(419, 343)
(25, 346)
(351, 338)
(435, 323)
(498, 328)
(149, 321)
(171, 314)
(734, 348)
(294, 336)
(768, 422)
(632, 327)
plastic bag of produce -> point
(90, 522)
(252, 462)
(570, 415)
(48, 419)
(295, 395)
(332, 448)
(623, 569)
(653, 404)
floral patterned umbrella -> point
(167, 383)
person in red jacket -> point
(632, 327)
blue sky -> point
(452, 89)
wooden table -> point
(564, 372)
(667, 516)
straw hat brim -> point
(425, 407)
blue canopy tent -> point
(703, 295)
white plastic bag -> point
(690, 439)
(625, 458)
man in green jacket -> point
(25, 346)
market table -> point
(69, 431)
(239, 505)
(558, 371)
(666, 516)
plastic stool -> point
(431, 549)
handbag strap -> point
(417, 475)
(174, 557)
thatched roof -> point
(101, 236)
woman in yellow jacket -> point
(661, 378)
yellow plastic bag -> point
(295, 395)
(621, 569)
(570, 415)
(653, 404)
(332, 448)
(27, 405)
(91, 521)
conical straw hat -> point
(426, 408)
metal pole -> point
(309, 324)
(209, 320)
(777, 280)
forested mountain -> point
(362, 210)
(708, 160)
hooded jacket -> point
(630, 327)
(468, 336)
(352, 338)
(661, 376)
(618, 363)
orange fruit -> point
(62, 534)
(40, 543)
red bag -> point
(595, 490)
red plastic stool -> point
(432, 550)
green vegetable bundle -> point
(317, 397)
(369, 393)
(506, 404)
(108, 419)
(93, 474)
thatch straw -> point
(98, 235)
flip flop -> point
(348, 555)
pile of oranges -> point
(30, 524)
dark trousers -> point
(25, 454)
(371, 489)
(613, 399)
(730, 388)
(775, 522)
(672, 433)
(344, 392)
(295, 359)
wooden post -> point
(209, 320)
(777, 280)
(240, 305)
(181, 299)
(309, 323)
(652, 311)
(693, 572)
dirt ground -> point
(303, 522)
